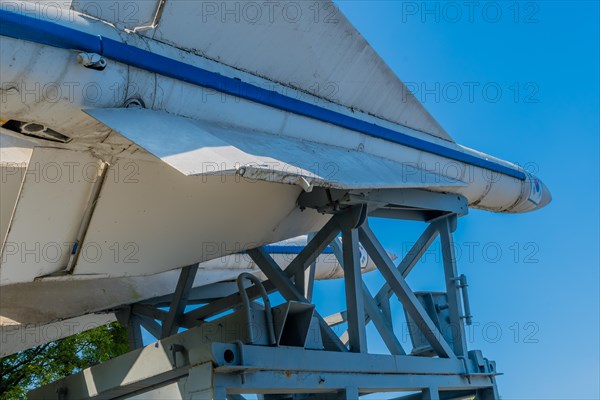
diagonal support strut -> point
(373, 313)
(290, 292)
(402, 290)
(186, 280)
(300, 263)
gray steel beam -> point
(157, 365)
(299, 359)
(197, 295)
(386, 310)
(310, 279)
(415, 200)
(407, 214)
(290, 292)
(194, 317)
(348, 393)
(353, 284)
(412, 257)
(382, 322)
(336, 319)
(148, 311)
(459, 341)
(134, 333)
(443, 395)
(315, 246)
(307, 256)
(235, 368)
(184, 285)
(300, 281)
(409, 301)
(431, 394)
(151, 326)
(274, 382)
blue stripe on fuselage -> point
(28, 28)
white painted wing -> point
(49, 209)
(305, 45)
(199, 148)
(14, 157)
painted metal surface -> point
(58, 301)
(148, 217)
(16, 305)
(48, 212)
(337, 62)
(14, 157)
(45, 32)
(298, 127)
(196, 148)
(219, 358)
(486, 190)
(283, 369)
(19, 337)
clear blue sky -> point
(548, 291)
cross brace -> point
(344, 368)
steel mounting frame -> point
(186, 365)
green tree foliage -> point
(46, 363)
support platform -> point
(235, 345)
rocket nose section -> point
(537, 196)
(546, 197)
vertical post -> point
(459, 342)
(300, 281)
(373, 313)
(349, 393)
(177, 307)
(353, 284)
(430, 394)
(203, 384)
(134, 333)
(151, 326)
(310, 275)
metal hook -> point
(246, 302)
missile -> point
(131, 148)
(69, 103)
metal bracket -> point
(463, 285)
(412, 204)
(176, 348)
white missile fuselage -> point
(104, 178)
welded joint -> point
(352, 218)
